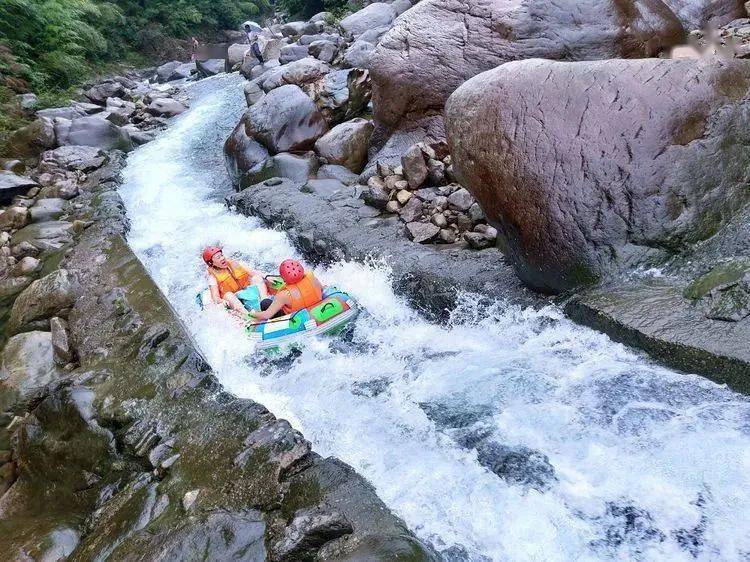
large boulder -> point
(698, 14)
(377, 14)
(210, 67)
(91, 131)
(342, 94)
(31, 140)
(12, 184)
(165, 107)
(99, 93)
(304, 71)
(236, 54)
(44, 298)
(28, 362)
(346, 144)
(165, 71)
(244, 157)
(73, 158)
(585, 167)
(285, 120)
(438, 44)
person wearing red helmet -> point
(301, 290)
(228, 278)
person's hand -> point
(257, 314)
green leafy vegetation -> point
(308, 8)
(51, 46)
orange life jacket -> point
(232, 279)
(307, 292)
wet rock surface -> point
(123, 442)
(315, 222)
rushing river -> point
(648, 463)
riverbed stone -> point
(46, 297)
(244, 157)
(12, 185)
(346, 144)
(324, 51)
(253, 93)
(26, 266)
(336, 172)
(309, 530)
(377, 14)
(421, 232)
(99, 93)
(165, 107)
(14, 218)
(591, 208)
(48, 209)
(411, 210)
(27, 363)
(415, 168)
(461, 200)
(44, 236)
(31, 140)
(11, 286)
(91, 131)
(304, 71)
(699, 14)
(293, 52)
(210, 67)
(517, 465)
(285, 120)
(299, 168)
(74, 158)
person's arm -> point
(278, 303)
(213, 286)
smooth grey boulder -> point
(98, 94)
(296, 28)
(28, 363)
(377, 14)
(210, 67)
(68, 112)
(346, 144)
(336, 172)
(44, 298)
(12, 184)
(310, 39)
(236, 54)
(91, 131)
(285, 120)
(74, 158)
(304, 71)
(323, 51)
(587, 168)
(359, 54)
(298, 168)
(293, 52)
(45, 236)
(165, 107)
(48, 209)
(400, 6)
(439, 44)
(165, 71)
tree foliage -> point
(308, 8)
(56, 43)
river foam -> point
(648, 463)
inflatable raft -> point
(329, 316)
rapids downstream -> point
(647, 463)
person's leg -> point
(234, 303)
(259, 282)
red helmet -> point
(291, 271)
(209, 252)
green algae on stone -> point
(723, 274)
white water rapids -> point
(648, 463)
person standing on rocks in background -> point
(252, 33)
(194, 45)
(232, 283)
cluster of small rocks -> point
(424, 193)
(117, 113)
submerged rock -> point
(583, 199)
(517, 465)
